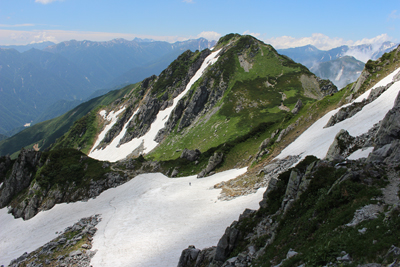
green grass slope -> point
(259, 81)
(46, 133)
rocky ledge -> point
(71, 248)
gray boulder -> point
(341, 144)
(191, 155)
(212, 163)
(297, 107)
(188, 256)
(390, 126)
(227, 243)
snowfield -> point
(316, 139)
(114, 152)
(147, 221)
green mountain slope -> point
(250, 85)
(45, 133)
(239, 101)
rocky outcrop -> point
(239, 246)
(39, 196)
(387, 138)
(190, 155)
(146, 115)
(194, 107)
(188, 255)
(298, 183)
(326, 87)
(262, 149)
(345, 113)
(196, 257)
(360, 81)
(284, 132)
(117, 128)
(213, 162)
(390, 126)
(196, 103)
(61, 251)
(344, 144)
(22, 173)
(5, 166)
(351, 110)
(343, 141)
(297, 107)
(368, 172)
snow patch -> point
(146, 221)
(361, 153)
(339, 74)
(115, 151)
(113, 117)
(317, 139)
(103, 113)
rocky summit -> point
(331, 200)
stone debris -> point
(62, 251)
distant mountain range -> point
(340, 71)
(35, 77)
(33, 80)
(309, 55)
(23, 48)
(331, 63)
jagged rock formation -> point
(198, 102)
(5, 164)
(351, 110)
(387, 139)
(241, 244)
(297, 107)
(213, 162)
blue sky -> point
(285, 23)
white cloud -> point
(15, 37)
(394, 15)
(45, 2)
(378, 40)
(321, 41)
(209, 35)
(256, 35)
(188, 1)
(16, 25)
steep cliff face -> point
(22, 173)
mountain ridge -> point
(275, 99)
